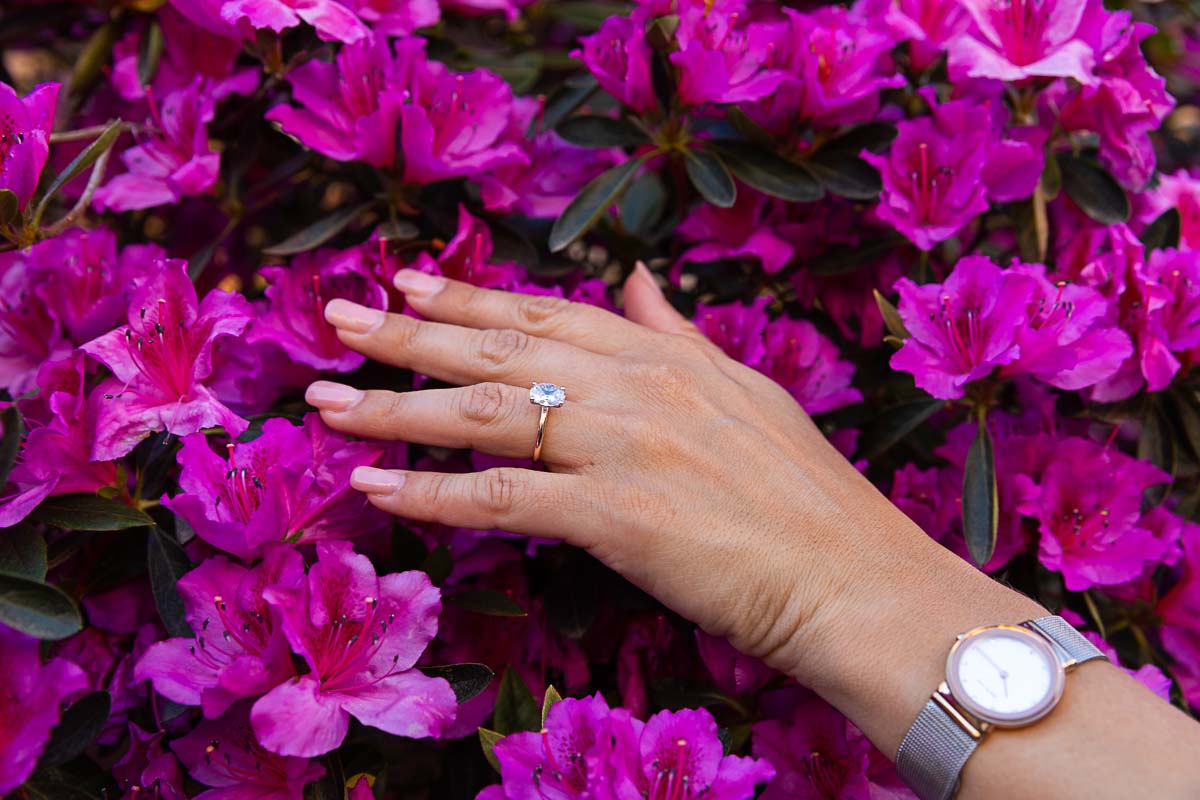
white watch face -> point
(1005, 675)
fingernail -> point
(330, 396)
(376, 481)
(641, 269)
(417, 283)
(353, 317)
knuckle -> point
(483, 403)
(666, 379)
(540, 311)
(439, 491)
(403, 332)
(396, 405)
(498, 347)
(497, 490)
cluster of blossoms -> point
(938, 224)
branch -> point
(85, 199)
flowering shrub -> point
(964, 235)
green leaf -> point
(890, 426)
(487, 741)
(1051, 179)
(89, 512)
(891, 317)
(845, 174)
(78, 728)
(92, 60)
(642, 208)
(587, 130)
(493, 604)
(563, 100)
(592, 202)
(37, 609)
(23, 552)
(1187, 418)
(437, 564)
(1157, 445)
(1092, 189)
(397, 230)
(10, 444)
(150, 50)
(167, 563)
(10, 206)
(755, 134)
(763, 170)
(551, 697)
(515, 710)
(1164, 232)
(874, 137)
(710, 177)
(467, 680)
(980, 506)
(318, 233)
(85, 159)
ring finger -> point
(489, 417)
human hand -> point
(697, 478)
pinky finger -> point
(546, 504)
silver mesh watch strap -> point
(933, 752)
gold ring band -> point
(548, 396)
(541, 431)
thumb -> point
(646, 305)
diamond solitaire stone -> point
(547, 394)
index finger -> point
(591, 328)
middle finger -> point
(463, 355)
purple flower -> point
(736, 329)
(25, 125)
(619, 58)
(160, 361)
(29, 704)
(332, 21)
(927, 25)
(29, 333)
(927, 497)
(677, 754)
(722, 61)
(225, 754)
(1172, 316)
(172, 162)
(1070, 340)
(1012, 40)
(360, 635)
(298, 293)
(289, 484)
(239, 650)
(818, 753)
(396, 17)
(147, 770)
(740, 231)
(1180, 191)
(962, 329)
(468, 257)
(1180, 612)
(808, 365)
(733, 672)
(1091, 527)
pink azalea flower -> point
(1181, 191)
(295, 320)
(360, 635)
(29, 704)
(289, 484)
(743, 230)
(1180, 612)
(468, 257)
(206, 14)
(619, 58)
(225, 754)
(29, 333)
(928, 26)
(818, 753)
(160, 361)
(25, 125)
(147, 770)
(1012, 40)
(962, 329)
(239, 650)
(396, 17)
(808, 365)
(733, 673)
(723, 60)
(332, 21)
(925, 497)
(172, 162)
(736, 329)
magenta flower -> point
(147, 770)
(962, 329)
(723, 60)
(733, 672)
(29, 704)
(25, 125)
(468, 257)
(1170, 319)
(360, 635)
(1180, 612)
(742, 230)
(225, 754)
(619, 58)
(29, 333)
(289, 484)
(396, 17)
(736, 329)
(1012, 40)
(928, 26)
(926, 496)
(818, 753)
(295, 320)
(1091, 528)
(160, 361)
(172, 162)
(239, 650)
(677, 754)
(332, 21)
(808, 365)
(1180, 191)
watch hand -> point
(1003, 673)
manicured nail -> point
(419, 284)
(353, 317)
(376, 481)
(641, 269)
(330, 396)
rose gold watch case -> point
(1010, 720)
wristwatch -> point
(1002, 676)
